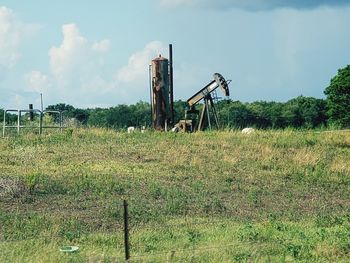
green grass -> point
(272, 196)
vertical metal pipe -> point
(61, 120)
(150, 90)
(171, 83)
(41, 101)
(41, 123)
(126, 231)
(4, 127)
(18, 120)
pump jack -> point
(208, 109)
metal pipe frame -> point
(40, 127)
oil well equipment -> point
(162, 99)
(161, 92)
(196, 120)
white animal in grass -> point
(131, 129)
(247, 130)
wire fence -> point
(133, 247)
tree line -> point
(300, 112)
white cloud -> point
(12, 32)
(38, 82)
(69, 56)
(76, 70)
(136, 69)
(79, 76)
(102, 46)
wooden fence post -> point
(126, 231)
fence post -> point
(61, 121)
(4, 127)
(126, 231)
(41, 123)
(18, 121)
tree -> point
(98, 117)
(140, 114)
(81, 115)
(61, 107)
(261, 115)
(338, 98)
(275, 111)
(179, 110)
(305, 112)
(235, 114)
(68, 110)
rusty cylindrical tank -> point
(161, 112)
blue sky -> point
(96, 53)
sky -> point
(90, 53)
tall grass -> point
(205, 197)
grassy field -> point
(271, 196)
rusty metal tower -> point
(161, 92)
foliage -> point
(179, 110)
(69, 109)
(338, 98)
(301, 112)
(10, 118)
(306, 112)
(121, 116)
(81, 115)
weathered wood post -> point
(126, 231)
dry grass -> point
(264, 186)
(12, 187)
